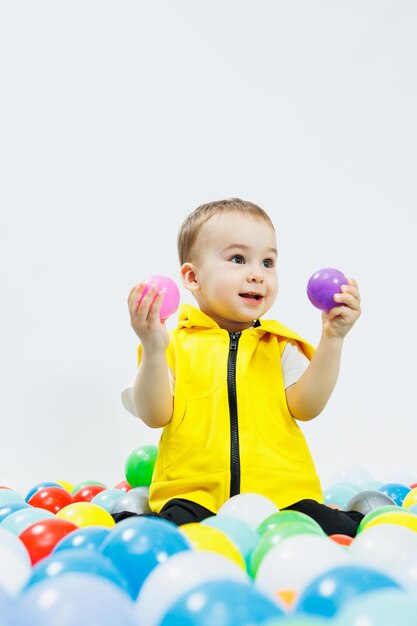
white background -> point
(117, 120)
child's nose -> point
(255, 277)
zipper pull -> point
(234, 337)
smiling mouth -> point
(251, 296)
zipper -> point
(234, 424)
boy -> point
(226, 386)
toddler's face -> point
(235, 268)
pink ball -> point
(170, 290)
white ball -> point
(251, 508)
(295, 561)
(180, 573)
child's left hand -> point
(340, 319)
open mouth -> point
(251, 296)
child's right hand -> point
(144, 317)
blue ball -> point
(87, 538)
(223, 603)
(7, 508)
(238, 531)
(39, 486)
(396, 491)
(76, 599)
(329, 592)
(138, 544)
(76, 561)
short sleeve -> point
(294, 363)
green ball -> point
(285, 517)
(86, 483)
(139, 466)
(388, 508)
(277, 534)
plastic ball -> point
(390, 548)
(293, 563)
(207, 538)
(8, 495)
(7, 508)
(139, 466)
(389, 508)
(323, 285)
(38, 486)
(277, 535)
(410, 498)
(76, 560)
(251, 508)
(170, 290)
(86, 514)
(87, 493)
(74, 599)
(135, 500)
(107, 498)
(238, 531)
(178, 575)
(86, 483)
(18, 521)
(52, 499)
(87, 538)
(40, 538)
(225, 602)
(138, 544)
(329, 592)
(369, 500)
(401, 517)
(388, 607)
(286, 517)
(396, 491)
(15, 565)
(339, 494)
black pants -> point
(332, 521)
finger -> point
(144, 303)
(348, 299)
(352, 289)
(135, 293)
(156, 304)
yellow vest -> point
(269, 455)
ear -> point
(189, 277)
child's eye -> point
(237, 258)
(268, 263)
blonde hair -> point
(191, 226)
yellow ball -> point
(65, 485)
(86, 514)
(402, 518)
(212, 539)
(410, 498)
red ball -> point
(51, 498)
(41, 537)
(87, 493)
(343, 540)
(123, 485)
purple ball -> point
(323, 285)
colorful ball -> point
(139, 466)
(75, 599)
(41, 538)
(329, 592)
(369, 500)
(51, 499)
(395, 491)
(207, 538)
(138, 544)
(323, 285)
(86, 514)
(237, 603)
(170, 290)
(251, 508)
(177, 575)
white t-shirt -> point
(294, 362)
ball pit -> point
(70, 564)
